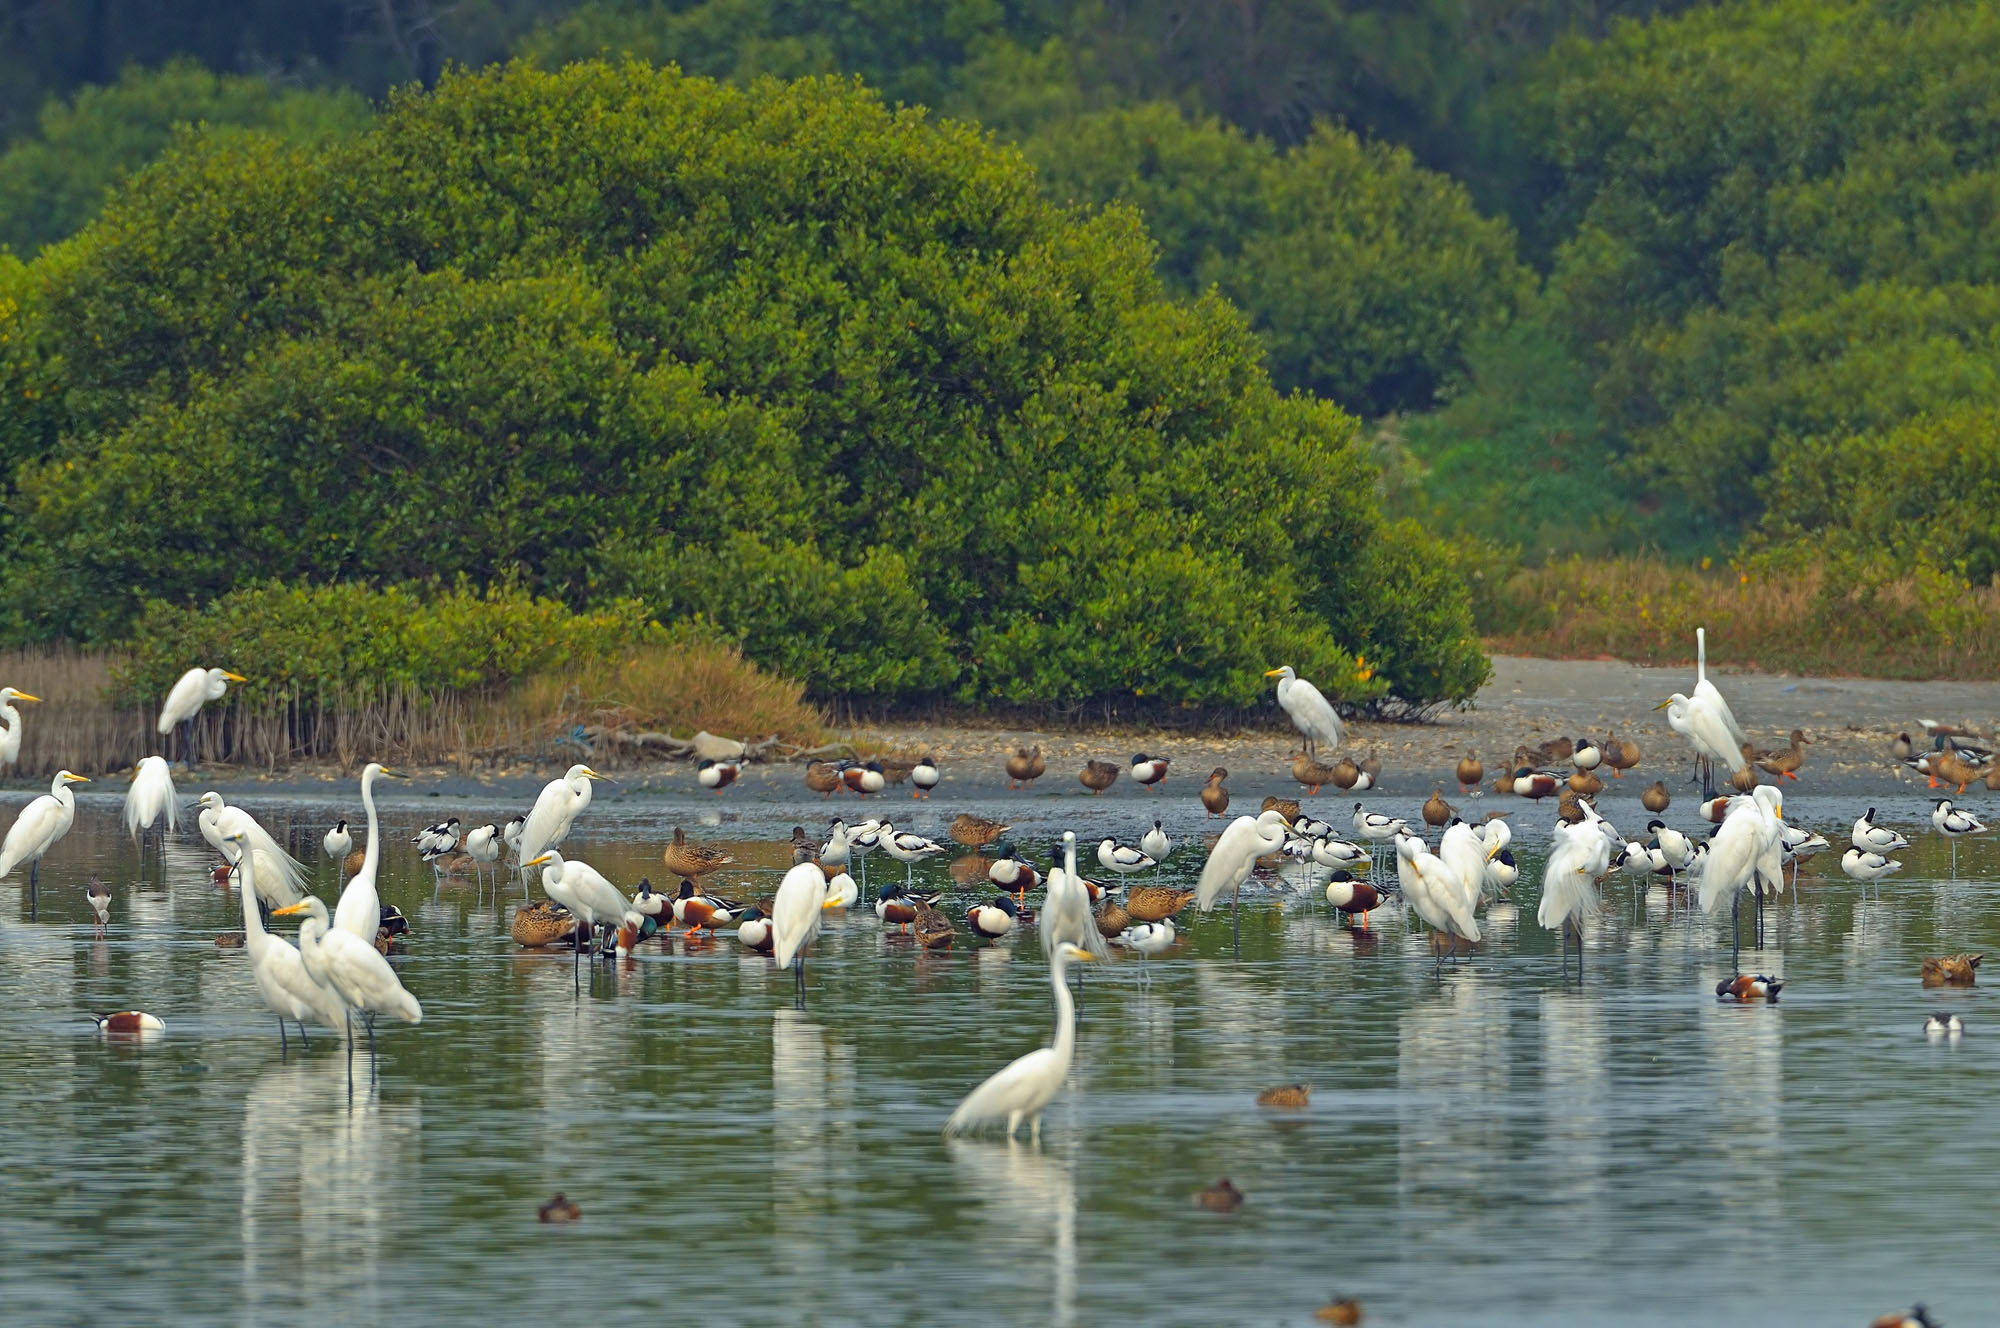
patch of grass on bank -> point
(1821, 615)
(690, 684)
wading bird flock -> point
(1442, 869)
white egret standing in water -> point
(359, 910)
(196, 688)
(283, 878)
(150, 797)
(1311, 712)
(1746, 851)
(1246, 839)
(355, 969)
(1569, 888)
(40, 824)
(1066, 916)
(796, 912)
(556, 808)
(275, 965)
(1032, 1081)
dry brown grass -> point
(1815, 618)
(678, 688)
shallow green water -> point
(1486, 1148)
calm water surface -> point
(1489, 1148)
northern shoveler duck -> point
(1346, 894)
(558, 1210)
(1471, 770)
(1214, 797)
(391, 927)
(895, 906)
(1716, 808)
(993, 920)
(1342, 1312)
(934, 929)
(129, 1023)
(754, 931)
(1011, 872)
(1746, 987)
(924, 777)
(1902, 748)
(823, 777)
(543, 922)
(692, 861)
(1529, 782)
(1285, 807)
(650, 903)
(1286, 1097)
(717, 775)
(1025, 766)
(1944, 1025)
(1656, 798)
(976, 831)
(896, 769)
(1112, 919)
(1311, 773)
(1437, 812)
(1585, 754)
(1916, 1318)
(1221, 1197)
(1150, 770)
(1345, 774)
(864, 779)
(1959, 970)
(1098, 776)
(1555, 751)
(1585, 784)
(1122, 858)
(1156, 903)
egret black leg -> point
(283, 1044)
(34, 888)
(1735, 936)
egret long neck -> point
(1700, 656)
(372, 856)
(1065, 1043)
(253, 921)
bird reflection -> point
(322, 1174)
(1024, 1191)
(1576, 1110)
(812, 1091)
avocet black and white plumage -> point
(434, 841)
(907, 848)
(1149, 939)
(1955, 824)
(1149, 770)
(717, 775)
(1865, 866)
(99, 895)
(1122, 858)
(1311, 827)
(483, 845)
(993, 920)
(1376, 827)
(338, 843)
(924, 777)
(1872, 838)
(1675, 849)
(1155, 843)
(1798, 844)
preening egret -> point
(1569, 888)
(841, 892)
(796, 912)
(1066, 916)
(281, 878)
(10, 724)
(1030, 1083)
(1435, 892)
(1311, 712)
(150, 797)
(1702, 725)
(1747, 851)
(1465, 851)
(196, 688)
(1242, 842)
(355, 970)
(40, 824)
(584, 891)
(359, 910)
(556, 808)
(275, 965)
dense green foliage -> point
(351, 643)
(1364, 274)
(54, 180)
(835, 378)
(1779, 232)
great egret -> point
(40, 824)
(1747, 851)
(556, 808)
(1435, 892)
(796, 912)
(10, 724)
(1122, 858)
(1066, 916)
(1706, 691)
(1032, 1081)
(1697, 720)
(282, 877)
(1954, 824)
(1466, 852)
(584, 891)
(1311, 712)
(196, 688)
(275, 965)
(1242, 842)
(150, 797)
(355, 970)
(1569, 888)
(359, 910)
